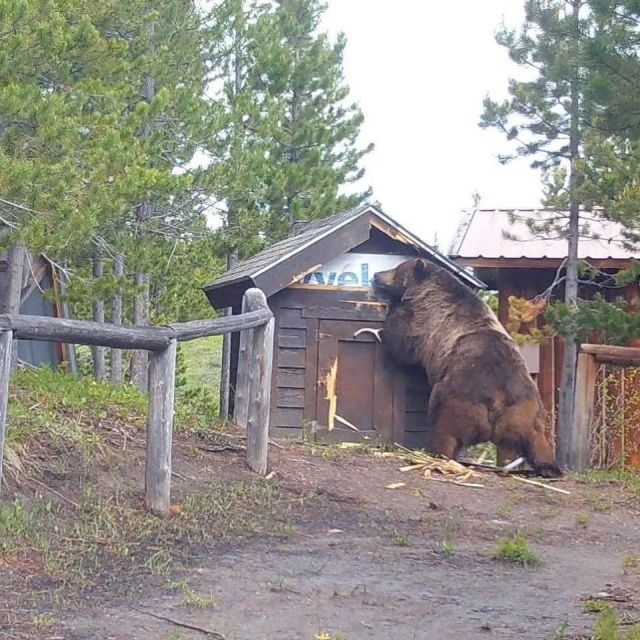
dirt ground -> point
(362, 561)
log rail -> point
(256, 325)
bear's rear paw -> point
(547, 470)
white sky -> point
(419, 71)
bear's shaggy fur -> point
(481, 389)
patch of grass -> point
(62, 406)
(630, 562)
(202, 362)
(515, 550)
(327, 635)
(599, 503)
(111, 541)
(400, 540)
(583, 520)
(486, 448)
(549, 512)
(596, 606)
(608, 627)
(194, 600)
(448, 547)
(625, 478)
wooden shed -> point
(327, 382)
(39, 277)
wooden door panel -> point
(355, 385)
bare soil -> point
(353, 559)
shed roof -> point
(503, 233)
(311, 246)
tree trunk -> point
(117, 376)
(140, 359)
(566, 422)
(16, 256)
(99, 367)
(225, 367)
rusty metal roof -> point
(505, 233)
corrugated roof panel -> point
(506, 233)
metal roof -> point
(292, 248)
(504, 233)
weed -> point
(488, 450)
(583, 520)
(44, 621)
(400, 540)
(193, 600)
(547, 513)
(596, 606)
(326, 635)
(447, 547)
(630, 562)
(515, 550)
(607, 627)
(599, 503)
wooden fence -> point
(253, 388)
(590, 358)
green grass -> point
(203, 360)
(608, 627)
(69, 432)
(515, 550)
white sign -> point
(351, 270)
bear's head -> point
(394, 283)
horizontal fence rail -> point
(102, 334)
(255, 323)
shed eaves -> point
(504, 233)
(271, 255)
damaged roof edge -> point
(444, 260)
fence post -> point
(580, 447)
(6, 345)
(162, 375)
(241, 398)
(259, 369)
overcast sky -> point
(419, 70)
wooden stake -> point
(6, 344)
(162, 374)
(541, 484)
(259, 383)
(579, 449)
(241, 402)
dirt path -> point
(409, 564)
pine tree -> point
(312, 131)
(612, 164)
(548, 117)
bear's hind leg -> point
(506, 454)
(443, 444)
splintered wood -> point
(446, 470)
(438, 469)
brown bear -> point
(481, 389)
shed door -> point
(355, 384)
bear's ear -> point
(420, 269)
